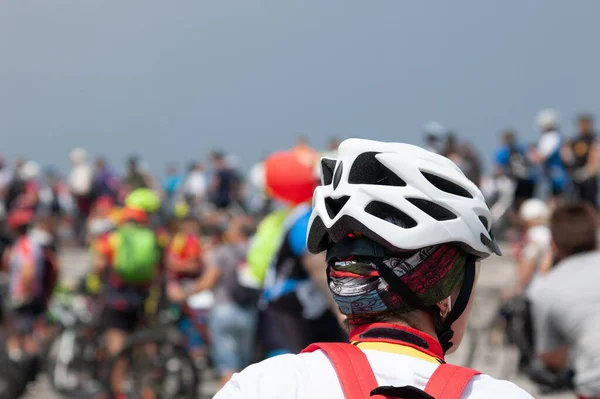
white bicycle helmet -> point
(30, 170)
(78, 155)
(547, 119)
(434, 129)
(371, 181)
(534, 209)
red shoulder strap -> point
(449, 381)
(352, 367)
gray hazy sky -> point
(173, 79)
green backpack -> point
(136, 255)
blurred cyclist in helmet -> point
(297, 306)
(24, 260)
(402, 231)
(433, 132)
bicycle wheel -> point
(151, 362)
(70, 362)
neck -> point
(418, 319)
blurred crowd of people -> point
(260, 219)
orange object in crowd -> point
(134, 214)
(185, 246)
(289, 177)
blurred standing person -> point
(81, 183)
(433, 131)
(30, 197)
(453, 152)
(5, 177)
(581, 155)
(135, 177)
(548, 151)
(512, 160)
(221, 186)
(305, 152)
(15, 187)
(297, 308)
(195, 185)
(49, 193)
(472, 163)
(107, 183)
(233, 322)
(172, 182)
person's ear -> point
(445, 306)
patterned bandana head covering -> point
(432, 273)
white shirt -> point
(196, 184)
(81, 179)
(311, 376)
(538, 241)
(549, 143)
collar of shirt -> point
(398, 339)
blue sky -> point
(173, 80)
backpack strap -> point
(352, 368)
(357, 379)
(449, 381)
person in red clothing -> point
(187, 275)
(25, 263)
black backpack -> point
(519, 165)
(241, 286)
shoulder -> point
(502, 152)
(484, 386)
(278, 377)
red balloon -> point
(288, 178)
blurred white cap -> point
(534, 209)
(256, 176)
(547, 119)
(434, 129)
(78, 155)
(30, 170)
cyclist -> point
(433, 132)
(26, 265)
(565, 319)
(512, 160)
(127, 285)
(187, 275)
(581, 154)
(548, 152)
(404, 230)
(297, 306)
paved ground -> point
(494, 360)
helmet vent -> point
(432, 209)
(338, 174)
(334, 206)
(327, 167)
(390, 214)
(366, 169)
(484, 222)
(446, 185)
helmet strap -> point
(444, 327)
